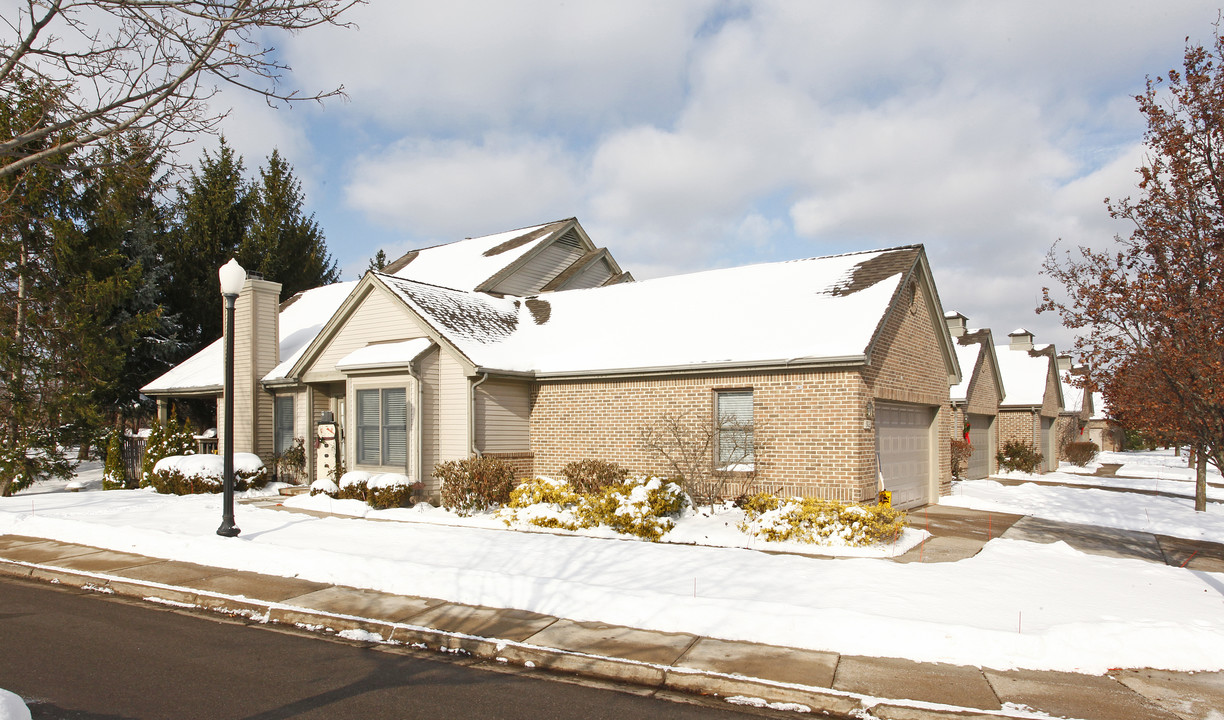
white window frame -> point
(385, 429)
(734, 440)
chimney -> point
(1064, 364)
(1021, 339)
(957, 323)
(256, 352)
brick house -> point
(1032, 398)
(535, 347)
(1077, 406)
(975, 401)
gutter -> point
(484, 375)
(704, 368)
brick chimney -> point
(1021, 339)
(957, 324)
(256, 352)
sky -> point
(697, 134)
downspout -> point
(419, 417)
(472, 412)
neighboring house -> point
(1032, 397)
(825, 364)
(1077, 406)
(1104, 430)
(975, 401)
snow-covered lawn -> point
(1157, 470)
(1015, 604)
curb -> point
(737, 689)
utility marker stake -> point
(1190, 558)
(1018, 616)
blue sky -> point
(694, 134)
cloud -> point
(448, 189)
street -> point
(85, 656)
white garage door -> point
(980, 432)
(903, 438)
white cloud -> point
(448, 189)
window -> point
(382, 427)
(282, 414)
(733, 426)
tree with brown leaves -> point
(1149, 313)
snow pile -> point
(207, 465)
(12, 707)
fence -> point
(134, 450)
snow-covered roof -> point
(301, 319)
(967, 356)
(1099, 410)
(383, 355)
(1024, 375)
(466, 264)
(1073, 397)
(819, 309)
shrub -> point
(166, 440)
(645, 507)
(544, 502)
(1019, 455)
(113, 473)
(291, 464)
(820, 522)
(961, 452)
(325, 486)
(592, 476)
(190, 475)
(1081, 453)
(475, 484)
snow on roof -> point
(465, 264)
(395, 354)
(1099, 410)
(967, 356)
(1073, 397)
(818, 309)
(300, 321)
(1024, 376)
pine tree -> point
(379, 261)
(282, 244)
(214, 210)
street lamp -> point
(233, 277)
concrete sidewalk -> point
(842, 686)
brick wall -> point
(907, 365)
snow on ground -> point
(1156, 470)
(1015, 604)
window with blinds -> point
(282, 414)
(382, 427)
(733, 426)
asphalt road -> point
(80, 655)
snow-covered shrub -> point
(961, 452)
(475, 484)
(592, 476)
(1081, 453)
(820, 522)
(325, 486)
(1019, 455)
(166, 440)
(192, 474)
(379, 490)
(113, 475)
(543, 502)
(645, 507)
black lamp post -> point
(233, 277)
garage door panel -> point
(980, 428)
(904, 446)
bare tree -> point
(707, 458)
(151, 65)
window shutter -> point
(395, 426)
(367, 427)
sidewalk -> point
(842, 686)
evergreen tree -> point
(282, 244)
(214, 210)
(379, 261)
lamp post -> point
(233, 277)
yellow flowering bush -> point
(820, 522)
(643, 507)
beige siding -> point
(256, 352)
(503, 416)
(453, 408)
(431, 436)
(377, 318)
(545, 266)
(594, 275)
